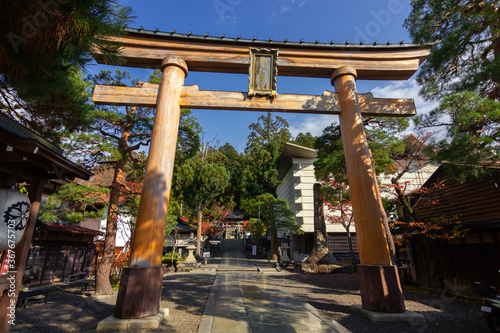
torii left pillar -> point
(141, 283)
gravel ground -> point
(333, 294)
(185, 294)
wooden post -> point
(8, 303)
(379, 281)
(141, 283)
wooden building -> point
(179, 236)
(59, 251)
(459, 262)
(26, 158)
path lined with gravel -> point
(186, 294)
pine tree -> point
(463, 70)
(466, 51)
(200, 181)
(265, 143)
(44, 46)
(275, 216)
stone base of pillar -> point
(380, 288)
(140, 292)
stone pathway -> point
(243, 300)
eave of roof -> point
(52, 152)
(291, 151)
(71, 229)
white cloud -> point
(405, 89)
(312, 124)
(395, 89)
(290, 5)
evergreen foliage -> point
(265, 143)
(74, 202)
(305, 140)
(472, 144)
(274, 216)
(466, 51)
(44, 45)
(201, 180)
(463, 70)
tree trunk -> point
(351, 251)
(320, 234)
(103, 285)
(199, 216)
(274, 245)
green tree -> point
(234, 163)
(265, 143)
(463, 70)
(268, 133)
(74, 202)
(466, 46)
(113, 134)
(201, 180)
(306, 140)
(113, 137)
(44, 45)
(472, 142)
(275, 216)
(257, 229)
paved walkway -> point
(242, 300)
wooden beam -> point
(193, 98)
(382, 62)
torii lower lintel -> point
(193, 98)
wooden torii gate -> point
(141, 283)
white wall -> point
(297, 189)
(123, 230)
(412, 180)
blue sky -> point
(326, 20)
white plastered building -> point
(296, 173)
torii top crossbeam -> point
(146, 49)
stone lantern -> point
(191, 247)
(285, 246)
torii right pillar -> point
(378, 278)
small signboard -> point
(214, 242)
(206, 254)
(254, 250)
(263, 71)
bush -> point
(167, 259)
(115, 282)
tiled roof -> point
(70, 229)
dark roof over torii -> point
(270, 42)
(205, 53)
